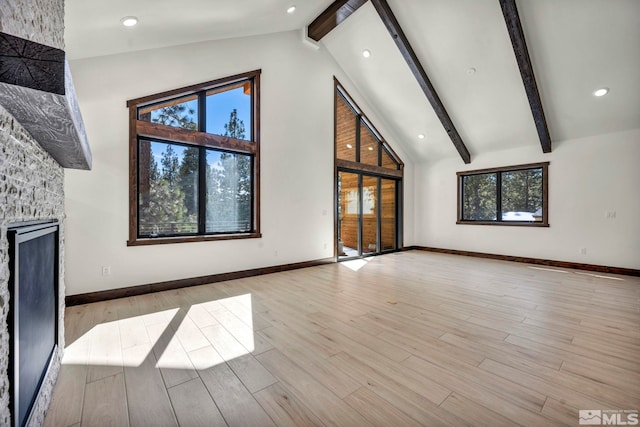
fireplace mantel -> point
(37, 90)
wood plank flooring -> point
(407, 339)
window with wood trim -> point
(514, 195)
(368, 184)
(194, 162)
(357, 141)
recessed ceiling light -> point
(601, 92)
(366, 53)
(291, 9)
(349, 146)
(129, 21)
(421, 136)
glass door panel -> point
(348, 215)
(369, 215)
(388, 220)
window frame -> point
(499, 171)
(139, 129)
(363, 169)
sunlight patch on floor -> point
(206, 335)
(355, 264)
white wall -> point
(296, 163)
(587, 178)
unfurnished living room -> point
(319, 213)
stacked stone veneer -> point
(31, 185)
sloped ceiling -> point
(576, 47)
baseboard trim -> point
(537, 261)
(91, 297)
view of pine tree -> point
(170, 206)
(169, 166)
(180, 115)
(188, 179)
(163, 210)
(521, 192)
(229, 185)
(480, 197)
(235, 127)
(175, 115)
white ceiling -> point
(576, 46)
(93, 27)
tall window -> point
(194, 162)
(368, 184)
(515, 195)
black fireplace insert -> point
(33, 315)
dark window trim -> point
(152, 131)
(190, 90)
(362, 118)
(362, 169)
(499, 171)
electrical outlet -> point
(583, 251)
(324, 212)
(325, 246)
(275, 253)
(106, 270)
(610, 214)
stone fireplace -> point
(32, 177)
(31, 188)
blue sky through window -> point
(219, 107)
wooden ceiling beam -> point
(333, 16)
(390, 21)
(514, 28)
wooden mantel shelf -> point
(37, 90)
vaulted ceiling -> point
(575, 46)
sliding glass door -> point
(388, 215)
(367, 215)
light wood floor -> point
(408, 339)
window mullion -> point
(358, 125)
(499, 196)
(379, 213)
(360, 215)
(202, 111)
(202, 190)
(202, 165)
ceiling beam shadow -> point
(333, 16)
(514, 28)
(390, 21)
